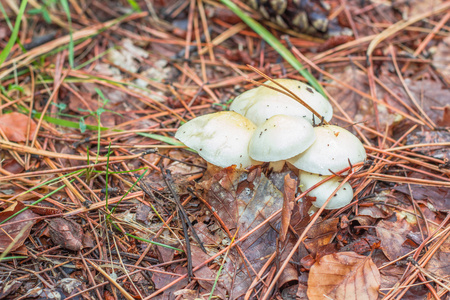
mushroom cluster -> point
(265, 125)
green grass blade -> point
(161, 138)
(12, 40)
(65, 6)
(145, 240)
(276, 45)
(129, 190)
(134, 5)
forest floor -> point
(99, 200)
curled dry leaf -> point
(14, 126)
(290, 187)
(66, 233)
(18, 227)
(344, 275)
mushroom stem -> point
(277, 166)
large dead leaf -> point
(18, 227)
(344, 275)
(14, 126)
(244, 200)
(393, 234)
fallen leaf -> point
(198, 257)
(66, 233)
(363, 244)
(290, 188)
(244, 200)
(14, 126)
(439, 264)
(165, 254)
(11, 165)
(441, 59)
(344, 275)
(392, 274)
(393, 233)
(439, 196)
(9, 288)
(430, 137)
(18, 227)
(206, 236)
(320, 235)
(162, 278)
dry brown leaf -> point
(19, 225)
(393, 233)
(344, 275)
(439, 264)
(438, 196)
(441, 59)
(161, 278)
(14, 126)
(431, 137)
(66, 233)
(290, 188)
(244, 200)
(9, 287)
(198, 257)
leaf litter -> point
(186, 60)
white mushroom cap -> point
(343, 196)
(261, 103)
(333, 149)
(220, 138)
(281, 137)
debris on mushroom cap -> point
(333, 149)
(343, 196)
(281, 137)
(220, 138)
(261, 103)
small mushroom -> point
(333, 149)
(220, 138)
(340, 199)
(279, 138)
(261, 103)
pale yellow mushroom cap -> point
(261, 103)
(333, 149)
(281, 137)
(340, 199)
(220, 138)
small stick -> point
(167, 176)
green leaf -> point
(82, 125)
(35, 11)
(46, 16)
(161, 138)
(15, 87)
